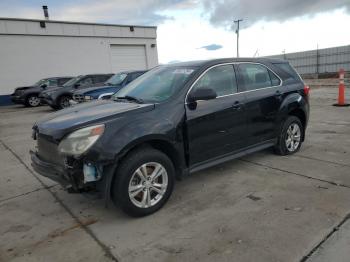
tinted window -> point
(116, 79)
(61, 81)
(101, 78)
(87, 81)
(135, 75)
(73, 81)
(274, 79)
(221, 79)
(52, 82)
(255, 76)
(289, 70)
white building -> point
(34, 49)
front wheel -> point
(63, 102)
(291, 136)
(32, 101)
(144, 182)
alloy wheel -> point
(148, 185)
(293, 137)
(33, 101)
(64, 102)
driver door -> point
(216, 127)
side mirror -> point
(202, 94)
(76, 85)
(44, 86)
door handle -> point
(237, 105)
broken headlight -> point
(81, 140)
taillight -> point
(306, 90)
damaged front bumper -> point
(77, 178)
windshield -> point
(72, 81)
(156, 85)
(40, 82)
(116, 79)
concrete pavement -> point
(262, 207)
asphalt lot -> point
(262, 207)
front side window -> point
(52, 82)
(257, 76)
(86, 81)
(221, 79)
(157, 85)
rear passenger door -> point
(263, 99)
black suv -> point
(28, 95)
(59, 97)
(172, 121)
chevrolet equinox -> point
(170, 122)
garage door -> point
(128, 57)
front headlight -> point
(81, 140)
(88, 97)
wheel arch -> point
(160, 143)
(293, 105)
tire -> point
(290, 137)
(63, 102)
(130, 187)
(32, 101)
(54, 107)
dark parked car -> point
(172, 121)
(59, 97)
(29, 95)
(112, 85)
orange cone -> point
(341, 90)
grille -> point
(78, 98)
(48, 150)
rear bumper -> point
(51, 171)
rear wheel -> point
(144, 182)
(63, 102)
(32, 101)
(291, 136)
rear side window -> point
(257, 76)
(288, 70)
(221, 79)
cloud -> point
(145, 12)
(155, 12)
(211, 47)
(224, 12)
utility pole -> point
(237, 32)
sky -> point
(204, 29)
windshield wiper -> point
(131, 98)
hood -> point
(92, 89)
(23, 88)
(65, 121)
